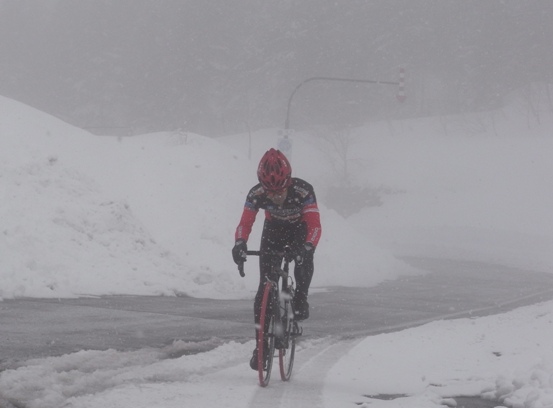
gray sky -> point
(224, 66)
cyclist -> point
(291, 218)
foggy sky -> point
(219, 66)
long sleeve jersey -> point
(300, 205)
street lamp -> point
(400, 95)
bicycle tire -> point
(286, 354)
(266, 337)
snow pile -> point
(505, 358)
(153, 214)
(99, 236)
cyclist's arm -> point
(246, 223)
(312, 219)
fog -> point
(219, 67)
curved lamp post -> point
(400, 96)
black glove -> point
(305, 251)
(239, 251)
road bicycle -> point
(278, 330)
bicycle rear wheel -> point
(286, 354)
(266, 336)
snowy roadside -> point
(505, 357)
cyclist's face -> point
(277, 197)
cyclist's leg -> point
(303, 275)
(257, 315)
(270, 241)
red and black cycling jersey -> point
(300, 205)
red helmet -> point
(274, 171)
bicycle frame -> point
(277, 324)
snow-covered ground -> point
(155, 214)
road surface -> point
(51, 327)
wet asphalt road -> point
(49, 327)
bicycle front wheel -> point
(266, 336)
(286, 354)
